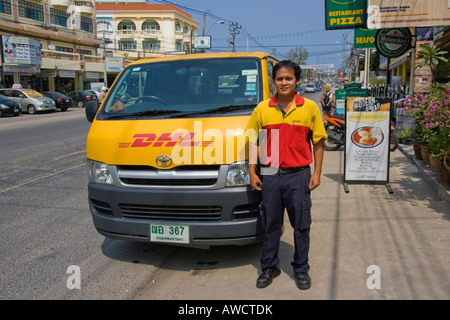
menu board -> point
(367, 140)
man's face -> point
(285, 82)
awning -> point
(400, 60)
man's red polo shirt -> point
(292, 132)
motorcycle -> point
(335, 128)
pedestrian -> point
(101, 95)
(328, 101)
(293, 122)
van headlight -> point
(237, 174)
(98, 172)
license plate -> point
(16, 109)
(169, 233)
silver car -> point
(30, 100)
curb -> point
(427, 173)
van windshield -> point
(185, 87)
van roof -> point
(261, 55)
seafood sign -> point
(367, 140)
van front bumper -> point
(227, 216)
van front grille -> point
(178, 176)
(143, 211)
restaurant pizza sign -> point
(345, 14)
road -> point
(46, 228)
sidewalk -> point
(402, 238)
(430, 176)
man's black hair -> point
(288, 64)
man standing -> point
(292, 122)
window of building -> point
(151, 45)
(5, 6)
(63, 49)
(127, 45)
(59, 17)
(177, 26)
(87, 24)
(150, 25)
(185, 29)
(126, 25)
(178, 46)
(31, 10)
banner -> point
(345, 14)
(401, 13)
(19, 50)
(367, 140)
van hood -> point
(167, 143)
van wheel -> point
(31, 109)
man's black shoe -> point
(266, 277)
(302, 280)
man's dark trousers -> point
(288, 191)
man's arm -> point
(255, 182)
(318, 152)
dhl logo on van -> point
(166, 139)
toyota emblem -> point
(164, 161)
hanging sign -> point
(367, 140)
(393, 42)
(401, 13)
(365, 38)
(345, 14)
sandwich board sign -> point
(367, 135)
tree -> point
(431, 56)
(298, 55)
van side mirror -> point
(91, 110)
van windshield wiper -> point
(142, 113)
(229, 108)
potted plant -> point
(404, 136)
(437, 125)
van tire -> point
(31, 109)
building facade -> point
(66, 31)
(134, 31)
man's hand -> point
(255, 182)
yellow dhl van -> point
(166, 152)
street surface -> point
(366, 244)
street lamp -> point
(218, 22)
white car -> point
(310, 88)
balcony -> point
(71, 61)
(60, 60)
(151, 34)
(59, 4)
(86, 7)
(126, 34)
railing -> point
(50, 54)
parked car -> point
(62, 101)
(81, 97)
(8, 107)
(30, 100)
(310, 87)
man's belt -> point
(282, 171)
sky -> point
(274, 26)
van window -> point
(181, 86)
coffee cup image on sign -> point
(367, 137)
